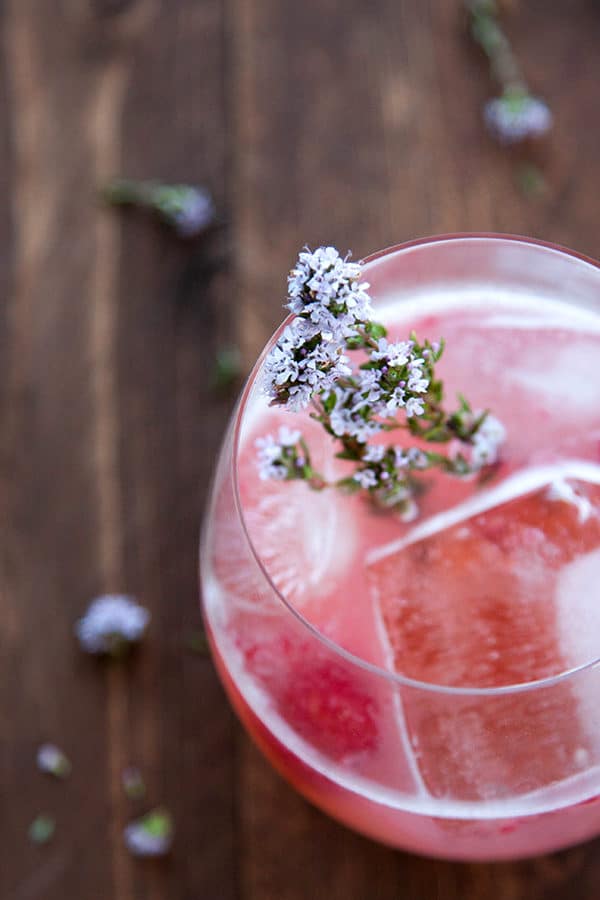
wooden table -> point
(353, 122)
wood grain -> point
(356, 123)
(111, 432)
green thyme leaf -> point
(329, 402)
(530, 180)
(375, 330)
(227, 367)
(158, 823)
(42, 829)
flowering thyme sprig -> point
(53, 761)
(152, 835)
(111, 624)
(516, 114)
(188, 209)
(310, 365)
(286, 457)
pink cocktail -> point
(434, 684)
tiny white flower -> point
(369, 388)
(417, 458)
(514, 117)
(270, 464)
(194, 213)
(414, 407)
(399, 354)
(268, 447)
(381, 352)
(417, 382)
(396, 355)
(302, 372)
(111, 623)
(288, 437)
(347, 420)
(281, 365)
(366, 478)
(400, 457)
(152, 835)
(374, 453)
(52, 760)
(300, 397)
(395, 401)
(270, 458)
(410, 456)
(321, 258)
(272, 473)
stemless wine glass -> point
(464, 766)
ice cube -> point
(478, 603)
(578, 608)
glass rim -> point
(347, 655)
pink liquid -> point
(490, 587)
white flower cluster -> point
(513, 118)
(303, 362)
(367, 478)
(411, 457)
(325, 288)
(152, 835)
(111, 622)
(270, 453)
(376, 395)
(383, 473)
(375, 454)
(386, 400)
(194, 212)
(346, 417)
(52, 760)
(486, 442)
(189, 210)
(329, 301)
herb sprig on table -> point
(516, 114)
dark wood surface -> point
(352, 122)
